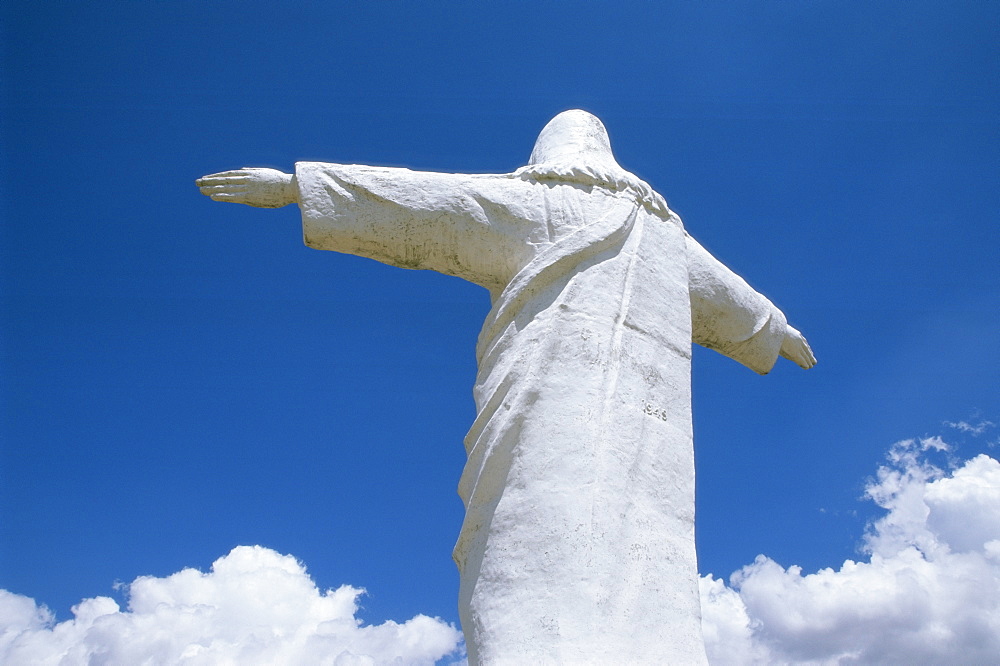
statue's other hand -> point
(263, 188)
(795, 348)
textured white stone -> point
(578, 540)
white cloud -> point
(973, 429)
(254, 607)
(928, 593)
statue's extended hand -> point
(263, 188)
(795, 348)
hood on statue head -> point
(574, 147)
(574, 138)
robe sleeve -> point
(476, 227)
(727, 315)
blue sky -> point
(180, 377)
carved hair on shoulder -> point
(622, 181)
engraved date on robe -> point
(655, 412)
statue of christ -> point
(578, 540)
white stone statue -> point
(578, 540)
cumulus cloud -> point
(255, 606)
(928, 592)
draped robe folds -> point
(578, 540)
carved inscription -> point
(655, 412)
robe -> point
(578, 540)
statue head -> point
(574, 148)
(575, 138)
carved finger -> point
(227, 196)
(215, 185)
(231, 172)
(224, 189)
(235, 185)
(231, 180)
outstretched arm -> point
(795, 348)
(263, 188)
(729, 316)
(476, 227)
